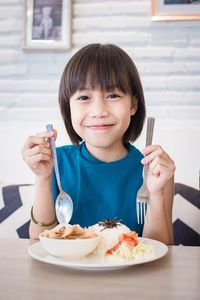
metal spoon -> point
(64, 204)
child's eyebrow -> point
(109, 88)
(84, 88)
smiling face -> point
(101, 118)
(100, 93)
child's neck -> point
(108, 154)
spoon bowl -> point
(64, 204)
(64, 207)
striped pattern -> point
(16, 201)
(15, 205)
(186, 215)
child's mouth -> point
(100, 127)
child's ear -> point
(134, 107)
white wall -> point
(167, 55)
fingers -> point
(33, 161)
(159, 161)
(41, 138)
(151, 152)
(48, 134)
(32, 156)
(38, 139)
(160, 167)
(43, 149)
(37, 148)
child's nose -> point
(99, 109)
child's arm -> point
(37, 154)
(43, 208)
(160, 184)
(169, 196)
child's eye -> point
(83, 98)
(113, 96)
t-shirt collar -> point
(86, 154)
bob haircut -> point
(107, 67)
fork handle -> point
(54, 154)
(149, 138)
(150, 128)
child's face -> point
(101, 118)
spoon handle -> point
(55, 161)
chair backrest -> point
(186, 215)
(16, 201)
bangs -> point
(106, 67)
(102, 67)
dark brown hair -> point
(105, 66)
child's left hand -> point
(161, 168)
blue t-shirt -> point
(100, 189)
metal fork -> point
(143, 193)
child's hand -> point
(161, 168)
(37, 153)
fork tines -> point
(141, 210)
(143, 195)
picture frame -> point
(47, 24)
(178, 10)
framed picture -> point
(175, 10)
(47, 24)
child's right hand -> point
(37, 153)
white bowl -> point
(69, 249)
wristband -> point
(40, 224)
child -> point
(46, 23)
(102, 105)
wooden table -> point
(175, 276)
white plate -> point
(92, 262)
